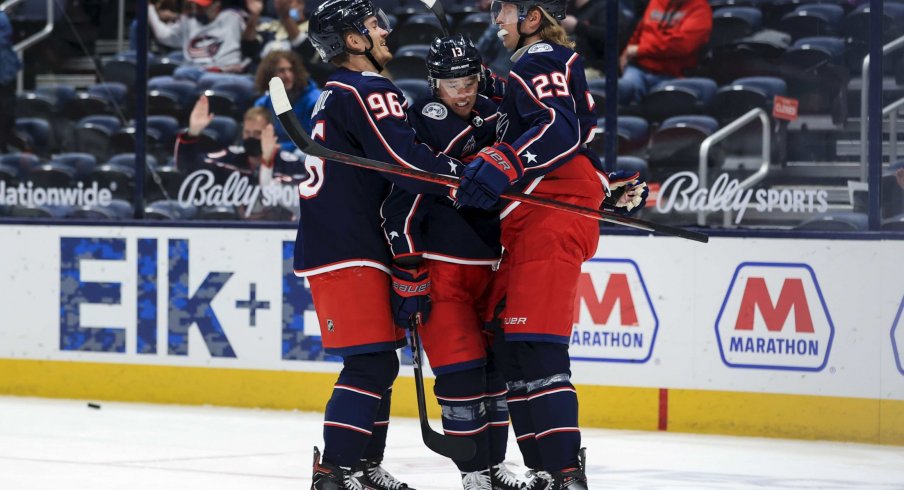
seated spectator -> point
(586, 23)
(303, 92)
(258, 155)
(210, 37)
(666, 41)
(286, 33)
(9, 69)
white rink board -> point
(819, 313)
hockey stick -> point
(303, 141)
(456, 448)
(436, 6)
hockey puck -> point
(94, 406)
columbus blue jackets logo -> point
(435, 110)
(502, 126)
(540, 48)
(775, 317)
(204, 47)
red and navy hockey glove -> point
(489, 175)
(410, 296)
(627, 193)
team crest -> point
(435, 110)
(540, 48)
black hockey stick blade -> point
(455, 448)
(305, 143)
(436, 6)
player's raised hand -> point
(200, 116)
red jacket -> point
(670, 35)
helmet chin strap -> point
(367, 53)
(522, 36)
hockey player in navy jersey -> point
(340, 246)
(546, 118)
(459, 248)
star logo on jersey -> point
(453, 167)
(393, 235)
(531, 158)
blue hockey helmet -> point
(334, 18)
(453, 56)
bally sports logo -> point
(614, 319)
(774, 317)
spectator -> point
(258, 155)
(210, 37)
(666, 41)
(9, 69)
(286, 33)
(586, 23)
(303, 92)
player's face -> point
(285, 73)
(459, 94)
(505, 15)
(378, 29)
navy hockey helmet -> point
(453, 56)
(555, 8)
(334, 18)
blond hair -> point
(553, 32)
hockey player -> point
(459, 246)
(546, 118)
(341, 249)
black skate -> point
(538, 480)
(376, 478)
(571, 478)
(503, 479)
(332, 477)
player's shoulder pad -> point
(435, 110)
(540, 48)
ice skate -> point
(476, 480)
(377, 478)
(332, 477)
(503, 479)
(571, 478)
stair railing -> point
(864, 105)
(30, 41)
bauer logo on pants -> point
(614, 319)
(774, 317)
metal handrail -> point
(891, 110)
(864, 103)
(723, 133)
(31, 40)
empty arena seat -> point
(162, 66)
(102, 98)
(837, 221)
(676, 144)
(742, 95)
(811, 52)
(415, 90)
(122, 68)
(633, 164)
(116, 209)
(810, 20)
(855, 28)
(37, 134)
(82, 163)
(817, 77)
(733, 23)
(18, 164)
(895, 223)
(418, 29)
(93, 134)
(170, 97)
(41, 212)
(163, 182)
(633, 135)
(218, 213)
(473, 25)
(168, 209)
(120, 179)
(51, 175)
(680, 96)
(409, 62)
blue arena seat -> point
(102, 98)
(817, 77)
(117, 209)
(82, 163)
(122, 68)
(633, 164)
(16, 165)
(677, 97)
(169, 209)
(218, 213)
(743, 94)
(837, 221)
(230, 98)
(855, 28)
(810, 20)
(676, 144)
(93, 134)
(120, 179)
(733, 23)
(219, 134)
(418, 29)
(633, 135)
(163, 182)
(170, 97)
(52, 175)
(409, 62)
(40, 212)
(38, 135)
(473, 25)
(895, 223)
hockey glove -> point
(410, 296)
(627, 193)
(489, 175)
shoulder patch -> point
(435, 110)
(540, 48)
(371, 74)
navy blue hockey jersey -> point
(547, 113)
(361, 114)
(431, 225)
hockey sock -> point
(377, 443)
(552, 401)
(354, 405)
(461, 398)
(497, 412)
(516, 400)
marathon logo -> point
(774, 317)
(897, 337)
(614, 318)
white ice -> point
(65, 445)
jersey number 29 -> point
(542, 82)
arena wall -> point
(800, 338)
